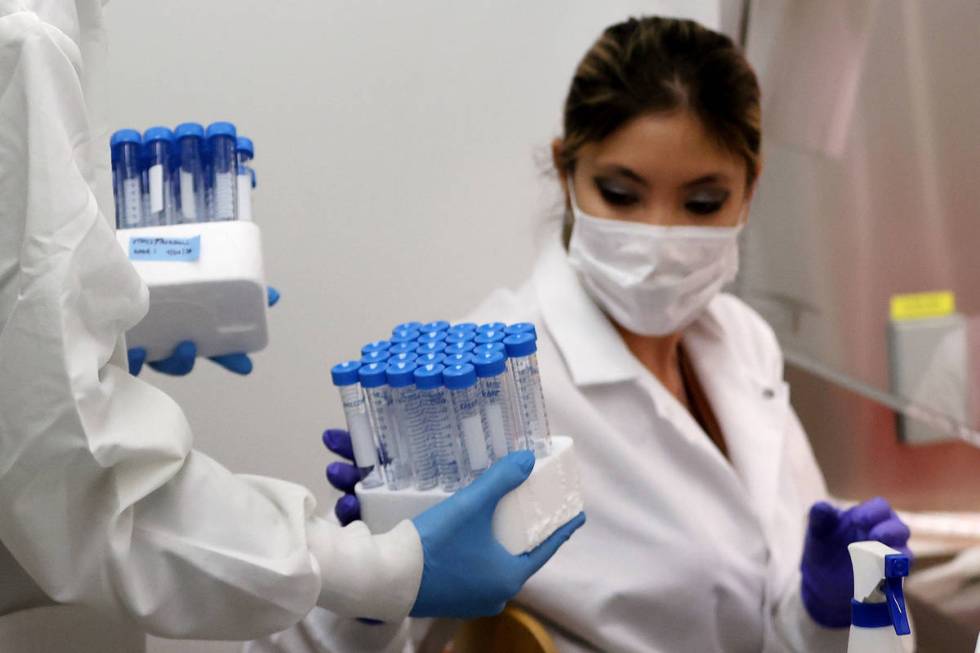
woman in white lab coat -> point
(698, 477)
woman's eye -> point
(617, 197)
(706, 204)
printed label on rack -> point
(165, 249)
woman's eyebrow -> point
(712, 178)
(626, 172)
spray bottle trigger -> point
(897, 568)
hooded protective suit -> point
(110, 523)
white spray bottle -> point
(879, 616)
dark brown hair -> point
(654, 65)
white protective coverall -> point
(684, 549)
(110, 523)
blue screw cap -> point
(457, 359)
(404, 335)
(497, 347)
(429, 377)
(345, 373)
(244, 144)
(489, 363)
(402, 347)
(433, 336)
(407, 326)
(221, 129)
(125, 136)
(189, 129)
(430, 359)
(401, 374)
(522, 344)
(430, 347)
(376, 356)
(459, 377)
(490, 335)
(436, 325)
(377, 345)
(154, 134)
(460, 336)
(521, 327)
(373, 375)
(459, 347)
(491, 326)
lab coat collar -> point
(588, 342)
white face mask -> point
(651, 280)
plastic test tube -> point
(495, 393)
(244, 152)
(158, 148)
(190, 178)
(439, 424)
(125, 146)
(394, 459)
(223, 170)
(529, 396)
(460, 380)
(345, 377)
(411, 423)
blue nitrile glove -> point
(343, 476)
(466, 572)
(828, 580)
(181, 362)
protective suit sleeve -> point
(103, 500)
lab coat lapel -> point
(752, 416)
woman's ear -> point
(556, 159)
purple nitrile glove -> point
(181, 361)
(828, 581)
(343, 476)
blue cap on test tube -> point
(457, 359)
(189, 129)
(460, 336)
(404, 335)
(376, 356)
(373, 375)
(522, 344)
(432, 336)
(377, 345)
(345, 373)
(490, 335)
(154, 134)
(464, 327)
(244, 144)
(458, 347)
(405, 356)
(430, 346)
(489, 363)
(497, 347)
(459, 377)
(401, 374)
(491, 326)
(429, 377)
(521, 327)
(221, 128)
(401, 347)
(436, 325)
(407, 326)
(125, 136)
(430, 359)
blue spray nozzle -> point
(897, 568)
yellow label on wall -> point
(923, 305)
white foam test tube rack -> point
(524, 518)
(207, 285)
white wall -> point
(400, 150)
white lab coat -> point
(107, 515)
(683, 550)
